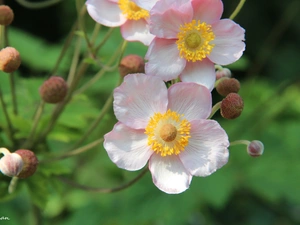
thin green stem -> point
(93, 126)
(240, 142)
(37, 5)
(36, 121)
(104, 69)
(105, 38)
(74, 152)
(214, 109)
(96, 31)
(81, 10)
(8, 121)
(12, 185)
(105, 190)
(75, 61)
(64, 48)
(13, 93)
(237, 9)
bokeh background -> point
(246, 191)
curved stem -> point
(37, 5)
(240, 142)
(103, 70)
(75, 151)
(237, 9)
(106, 37)
(75, 60)
(104, 190)
(104, 110)
(214, 109)
(12, 185)
(64, 48)
(9, 124)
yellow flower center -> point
(132, 11)
(194, 40)
(168, 133)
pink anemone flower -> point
(167, 127)
(189, 38)
(132, 19)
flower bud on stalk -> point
(255, 148)
(21, 163)
(131, 64)
(54, 90)
(224, 72)
(6, 15)
(226, 86)
(9, 60)
(232, 106)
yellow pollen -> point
(132, 11)
(194, 40)
(168, 133)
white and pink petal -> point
(145, 4)
(105, 12)
(167, 16)
(200, 72)
(137, 30)
(207, 150)
(127, 147)
(164, 60)
(229, 42)
(168, 174)
(191, 100)
(209, 11)
(138, 98)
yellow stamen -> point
(132, 11)
(194, 40)
(168, 133)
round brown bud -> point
(54, 90)
(131, 64)
(255, 148)
(232, 106)
(11, 164)
(30, 163)
(226, 86)
(10, 59)
(224, 72)
(6, 15)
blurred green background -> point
(246, 191)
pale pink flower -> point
(190, 38)
(168, 128)
(125, 14)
